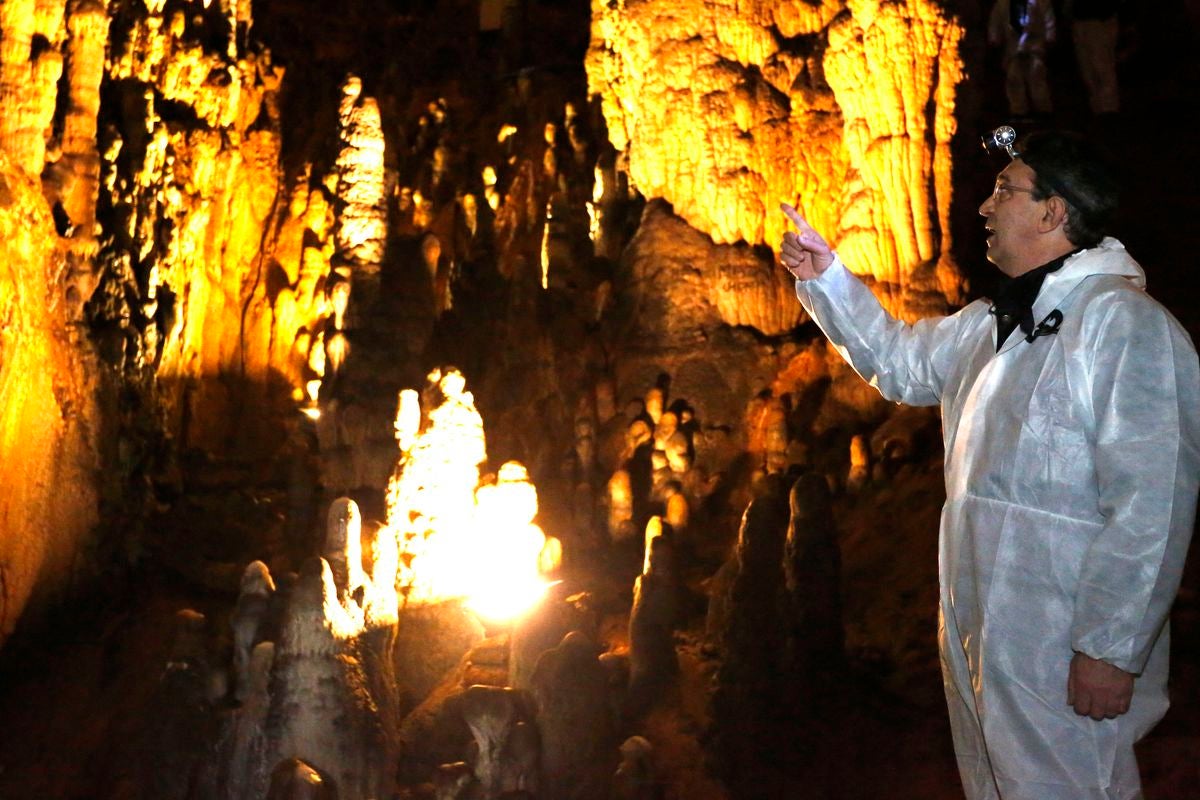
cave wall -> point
(845, 109)
(140, 202)
(184, 278)
(49, 415)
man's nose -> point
(985, 207)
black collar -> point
(1013, 305)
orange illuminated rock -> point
(848, 114)
(31, 62)
(49, 418)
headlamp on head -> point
(1002, 139)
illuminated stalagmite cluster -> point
(459, 536)
(362, 225)
(728, 112)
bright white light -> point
(408, 419)
(463, 540)
(502, 605)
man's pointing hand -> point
(803, 252)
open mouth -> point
(991, 233)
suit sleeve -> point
(906, 363)
(1144, 386)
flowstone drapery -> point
(843, 108)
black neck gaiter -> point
(1013, 306)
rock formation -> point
(827, 105)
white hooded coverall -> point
(1072, 465)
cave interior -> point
(383, 383)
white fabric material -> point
(1072, 465)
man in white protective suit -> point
(1071, 418)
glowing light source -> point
(458, 538)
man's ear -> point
(1055, 215)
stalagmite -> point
(676, 514)
(522, 762)
(672, 442)
(431, 255)
(183, 729)
(379, 639)
(339, 300)
(470, 209)
(243, 768)
(490, 193)
(811, 566)
(543, 629)
(321, 707)
(766, 420)
(337, 350)
(776, 436)
(295, 780)
(606, 405)
(570, 690)
(585, 447)
(343, 551)
(550, 158)
(316, 354)
(439, 165)
(753, 630)
(249, 616)
(654, 531)
(362, 225)
(491, 714)
(652, 660)
(654, 404)
(454, 781)
(639, 434)
(620, 506)
(860, 463)
(431, 498)
(408, 419)
(635, 777)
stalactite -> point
(195, 184)
(74, 181)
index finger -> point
(795, 217)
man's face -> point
(1012, 220)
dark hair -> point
(1069, 166)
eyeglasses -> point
(1004, 191)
